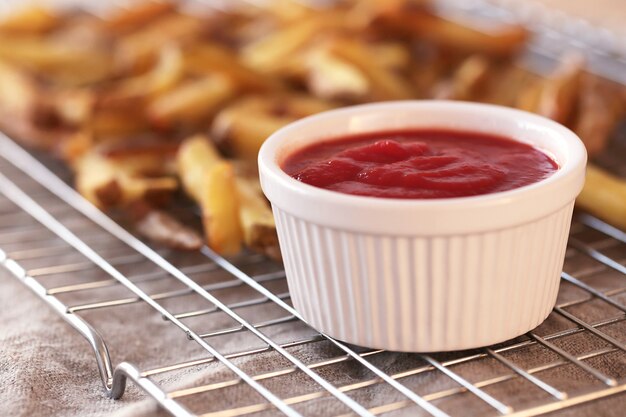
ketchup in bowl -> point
(419, 164)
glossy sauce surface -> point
(420, 164)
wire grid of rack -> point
(39, 210)
(23, 199)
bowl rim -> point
(268, 154)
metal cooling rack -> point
(63, 235)
(27, 187)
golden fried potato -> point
(125, 120)
(148, 155)
(206, 59)
(190, 102)
(286, 11)
(467, 82)
(59, 62)
(425, 76)
(210, 181)
(499, 40)
(161, 227)
(604, 195)
(334, 78)
(394, 56)
(257, 220)
(598, 114)
(271, 52)
(367, 11)
(243, 132)
(109, 183)
(28, 111)
(530, 96)
(32, 19)
(559, 92)
(195, 156)
(137, 50)
(243, 127)
(137, 15)
(74, 106)
(509, 85)
(220, 213)
(75, 145)
(385, 84)
(18, 91)
(166, 73)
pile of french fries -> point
(152, 101)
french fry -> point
(206, 59)
(604, 195)
(116, 122)
(467, 81)
(509, 85)
(138, 49)
(190, 102)
(168, 70)
(385, 84)
(195, 156)
(155, 156)
(159, 226)
(60, 62)
(269, 53)
(559, 92)
(75, 146)
(427, 74)
(51, 118)
(139, 14)
(210, 181)
(18, 92)
(107, 183)
(27, 110)
(598, 113)
(296, 105)
(367, 11)
(529, 98)
(334, 78)
(287, 11)
(221, 210)
(73, 106)
(81, 31)
(32, 19)
(233, 130)
(243, 127)
(391, 55)
(500, 40)
(257, 221)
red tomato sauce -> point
(419, 164)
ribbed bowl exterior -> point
(424, 275)
(424, 293)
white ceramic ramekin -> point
(424, 275)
